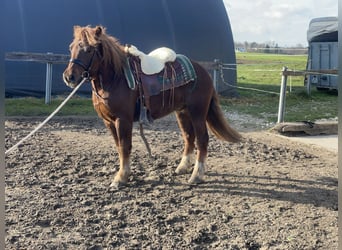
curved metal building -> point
(199, 29)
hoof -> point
(117, 185)
(194, 180)
(181, 170)
(119, 182)
(184, 166)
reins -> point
(47, 119)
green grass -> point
(254, 70)
(258, 68)
(37, 107)
(299, 106)
(263, 72)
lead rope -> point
(47, 119)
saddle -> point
(155, 61)
(156, 72)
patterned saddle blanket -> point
(174, 74)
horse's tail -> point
(218, 125)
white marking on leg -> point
(122, 175)
(185, 164)
(197, 173)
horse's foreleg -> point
(185, 164)
(188, 134)
(112, 129)
(124, 172)
(123, 139)
(202, 139)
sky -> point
(283, 22)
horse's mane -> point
(113, 54)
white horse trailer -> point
(323, 52)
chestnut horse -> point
(100, 58)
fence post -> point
(282, 97)
(48, 82)
(216, 63)
(308, 84)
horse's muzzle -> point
(70, 80)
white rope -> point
(312, 72)
(47, 119)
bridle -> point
(85, 74)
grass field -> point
(259, 68)
(254, 70)
(36, 107)
(263, 72)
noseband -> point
(85, 74)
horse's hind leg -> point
(202, 139)
(185, 125)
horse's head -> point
(93, 50)
(85, 55)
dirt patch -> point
(264, 193)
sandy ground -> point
(325, 142)
(266, 192)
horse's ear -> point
(99, 30)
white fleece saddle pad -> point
(154, 62)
